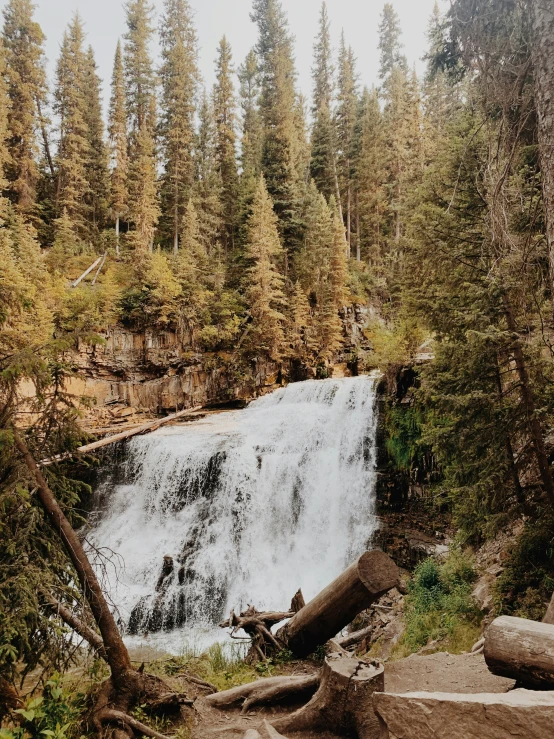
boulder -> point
(524, 714)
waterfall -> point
(250, 505)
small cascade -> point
(246, 506)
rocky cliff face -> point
(157, 370)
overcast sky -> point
(105, 21)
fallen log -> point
(264, 692)
(522, 650)
(364, 582)
(266, 731)
(355, 637)
(524, 714)
(137, 431)
(86, 272)
(343, 703)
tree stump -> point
(343, 703)
(372, 575)
(521, 649)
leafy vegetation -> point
(440, 608)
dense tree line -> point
(243, 221)
(173, 184)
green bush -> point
(526, 585)
(439, 606)
(54, 715)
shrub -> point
(439, 605)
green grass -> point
(439, 607)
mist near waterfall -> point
(249, 504)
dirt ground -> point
(466, 673)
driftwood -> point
(343, 702)
(257, 624)
(521, 649)
(364, 582)
(136, 431)
(264, 692)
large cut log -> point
(521, 649)
(343, 703)
(524, 714)
(264, 692)
(366, 580)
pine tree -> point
(179, 77)
(279, 116)
(74, 153)
(323, 165)
(208, 185)
(225, 121)
(369, 175)
(329, 325)
(26, 80)
(97, 164)
(264, 284)
(338, 267)
(117, 129)
(311, 264)
(141, 110)
(345, 124)
(300, 328)
(390, 45)
(252, 135)
(4, 153)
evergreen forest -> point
(251, 221)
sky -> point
(105, 21)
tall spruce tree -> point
(97, 163)
(26, 79)
(4, 152)
(179, 77)
(390, 45)
(279, 116)
(208, 184)
(345, 125)
(117, 130)
(225, 122)
(74, 153)
(323, 165)
(264, 283)
(251, 143)
(144, 210)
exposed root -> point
(197, 681)
(109, 715)
(270, 690)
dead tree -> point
(364, 582)
(343, 703)
(126, 685)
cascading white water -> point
(250, 504)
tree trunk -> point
(343, 703)
(116, 651)
(372, 575)
(535, 428)
(117, 235)
(522, 650)
(542, 38)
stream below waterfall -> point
(250, 505)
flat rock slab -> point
(525, 714)
(447, 673)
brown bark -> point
(534, 424)
(116, 651)
(372, 575)
(263, 692)
(522, 650)
(77, 624)
(355, 637)
(542, 38)
(9, 698)
(343, 703)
